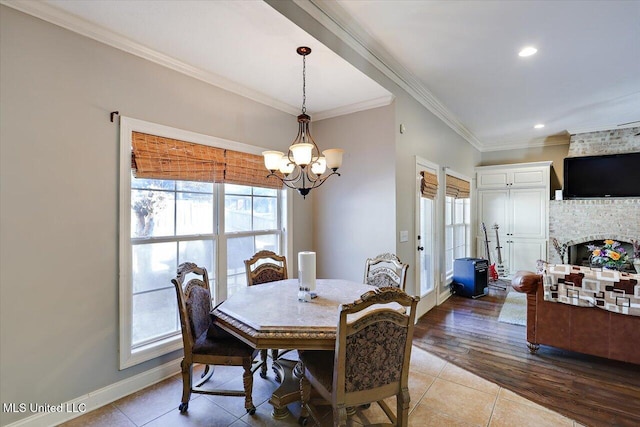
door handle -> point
(421, 248)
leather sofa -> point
(588, 330)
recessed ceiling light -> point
(539, 126)
(527, 51)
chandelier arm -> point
(321, 181)
(285, 182)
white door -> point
(426, 259)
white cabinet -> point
(516, 199)
(514, 176)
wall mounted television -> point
(615, 175)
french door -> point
(426, 241)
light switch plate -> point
(404, 236)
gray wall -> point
(354, 214)
(428, 137)
(59, 197)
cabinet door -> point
(493, 209)
(523, 254)
(528, 177)
(493, 179)
(527, 213)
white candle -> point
(307, 270)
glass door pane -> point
(427, 274)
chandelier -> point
(302, 167)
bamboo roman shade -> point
(156, 157)
(429, 185)
(247, 169)
(457, 188)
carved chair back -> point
(385, 270)
(194, 304)
(371, 357)
(265, 266)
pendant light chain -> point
(304, 84)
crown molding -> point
(354, 108)
(604, 128)
(336, 21)
(524, 144)
(80, 26)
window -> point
(164, 222)
(172, 222)
(252, 221)
(457, 221)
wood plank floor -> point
(591, 390)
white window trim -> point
(447, 171)
(128, 356)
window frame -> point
(128, 356)
(467, 225)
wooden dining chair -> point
(206, 343)
(385, 270)
(264, 267)
(370, 362)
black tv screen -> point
(616, 175)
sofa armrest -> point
(526, 282)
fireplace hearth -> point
(576, 223)
(579, 253)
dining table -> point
(270, 316)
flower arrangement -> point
(610, 255)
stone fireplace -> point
(575, 223)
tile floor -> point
(442, 395)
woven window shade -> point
(156, 157)
(457, 188)
(429, 185)
(247, 169)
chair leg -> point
(402, 411)
(340, 416)
(187, 369)
(263, 359)
(247, 381)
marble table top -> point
(270, 316)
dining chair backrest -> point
(371, 357)
(265, 266)
(385, 270)
(373, 349)
(194, 303)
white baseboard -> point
(96, 399)
(444, 296)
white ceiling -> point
(459, 58)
